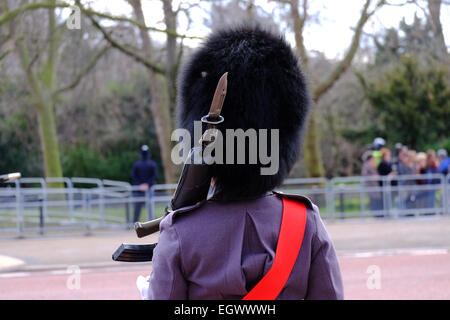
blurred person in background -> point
(396, 160)
(143, 174)
(405, 198)
(413, 164)
(377, 145)
(431, 168)
(403, 162)
(432, 163)
(398, 148)
(420, 165)
(421, 169)
(444, 161)
(369, 169)
(412, 161)
(385, 168)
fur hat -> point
(266, 90)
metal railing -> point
(36, 206)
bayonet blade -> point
(219, 98)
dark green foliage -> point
(408, 89)
(441, 144)
(412, 103)
(110, 133)
(15, 158)
(19, 142)
(364, 135)
(83, 161)
(100, 133)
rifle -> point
(193, 185)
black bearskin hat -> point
(266, 90)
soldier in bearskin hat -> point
(224, 247)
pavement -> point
(351, 238)
(51, 252)
(400, 276)
(412, 256)
(390, 235)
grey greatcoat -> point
(218, 250)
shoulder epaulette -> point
(173, 214)
(297, 197)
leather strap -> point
(290, 240)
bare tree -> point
(434, 16)
(39, 59)
(299, 17)
(40, 69)
(159, 104)
(162, 78)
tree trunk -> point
(159, 105)
(434, 6)
(49, 141)
(47, 123)
(311, 149)
(42, 85)
(170, 19)
(312, 153)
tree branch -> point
(30, 6)
(170, 32)
(299, 25)
(407, 2)
(5, 53)
(84, 71)
(31, 76)
(340, 69)
(125, 50)
(50, 4)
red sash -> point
(289, 243)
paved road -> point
(424, 275)
(348, 237)
(417, 274)
(410, 256)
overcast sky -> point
(332, 36)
